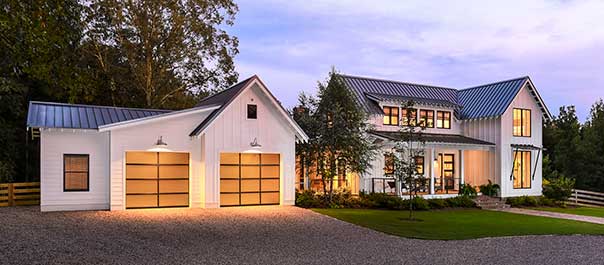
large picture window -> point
(419, 164)
(426, 118)
(522, 122)
(388, 164)
(75, 172)
(522, 169)
(409, 117)
(390, 115)
(443, 119)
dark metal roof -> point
(434, 138)
(485, 101)
(362, 85)
(76, 116)
(490, 100)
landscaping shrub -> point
(489, 189)
(530, 201)
(420, 204)
(308, 199)
(437, 203)
(559, 189)
(466, 190)
(544, 201)
(461, 202)
(381, 201)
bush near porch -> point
(344, 199)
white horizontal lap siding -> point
(523, 100)
(53, 145)
(378, 120)
(233, 132)
(483, 165)
(175, 132)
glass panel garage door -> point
(249, 179)
(157, 179)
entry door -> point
(447, 171)
(249, 179)
(157, 179)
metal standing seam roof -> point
(435, 138)
(77, 116)
(362, 85)
(484, 101)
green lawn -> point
(460, 224)
(589, 211)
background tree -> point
(38, 61)
(408, 146)
(338, 140)
(306, 152)
(562, 139)
(592, 174)
(169, 50)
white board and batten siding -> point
(54, 143)
(233, 132)
(483, 165)
(523, 100)
(142, 137)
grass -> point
(460, 224)
(588, 211)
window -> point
(252, 111)
(443, 119)
(522, 122)
(390, 115)
(409, 117)
(426, 118)
(388, 164)
(75, 172)
(419, 165)
(522, 169)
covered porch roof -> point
(439, 140)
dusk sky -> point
(293, 44)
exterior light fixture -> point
(255, 144)
(160, 143)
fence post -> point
(576, 197)
(11, 194)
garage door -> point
(157, 179)
(249, 179)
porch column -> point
(461, 168)
(432, 173)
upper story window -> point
(426, 118)
(522, 122)
(409, 117)
(443, 119)
(75, 172)
(390, 115)
(252, 111)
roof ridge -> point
(395, 81)
(493, 83)
(223, 91)
(96, 106)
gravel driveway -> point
(255, 235)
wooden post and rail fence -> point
(586, 198)
(17, 194)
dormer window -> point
(409, 117)
(522, 122)
(426, 118)
(390, 115)
(443, 119)
(252, 111)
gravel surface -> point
(255, 235)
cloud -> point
(292, 44)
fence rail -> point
(17, 194)
(586, 198)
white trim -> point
(175, 114)
(73, 207)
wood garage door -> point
(157, 179)
(249, 179)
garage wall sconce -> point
(255, 144)
(160, 143)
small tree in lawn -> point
(407, 148)
(307, 151)
(341, 142)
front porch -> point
(448, 162)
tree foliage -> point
(337, 129)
